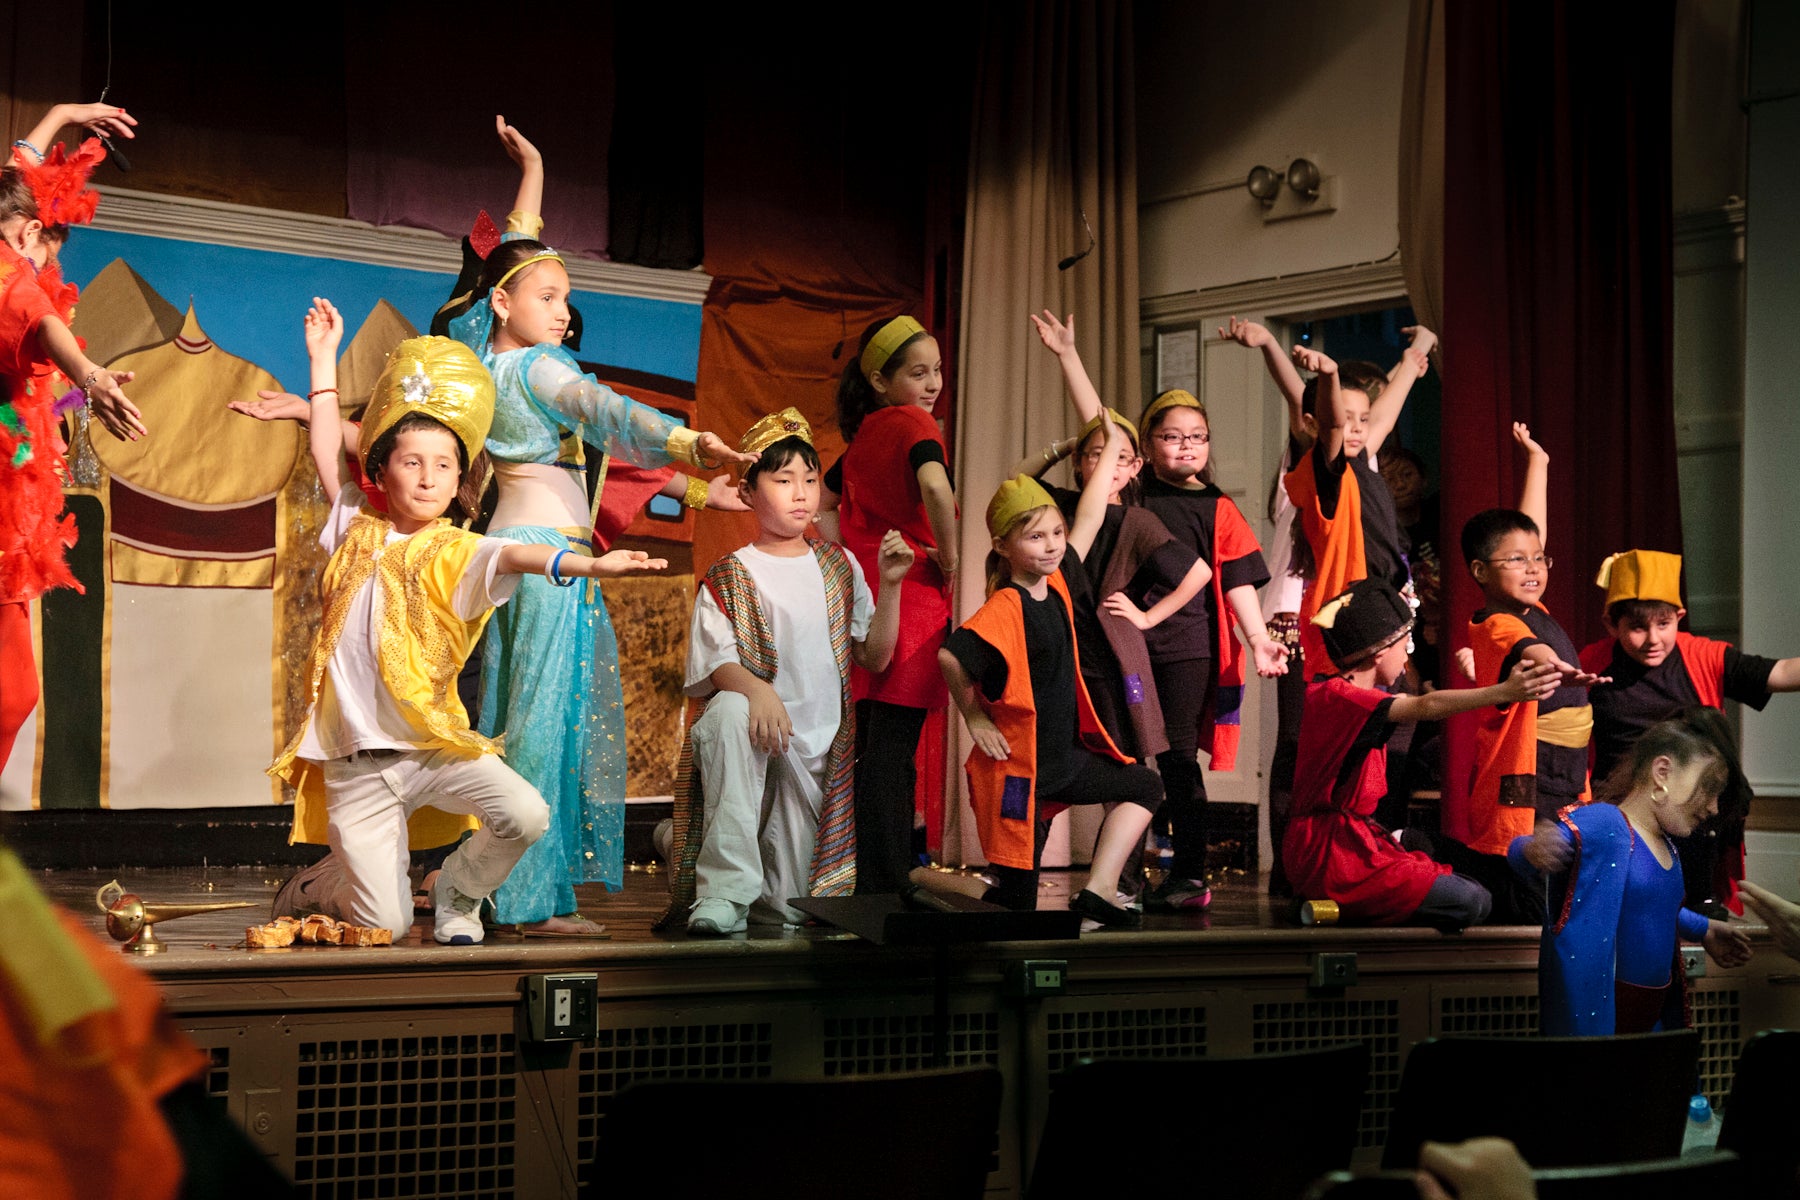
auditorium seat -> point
(1759, 1114)
(1664, 1179)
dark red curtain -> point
(1557, 291)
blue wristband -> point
(554, 575)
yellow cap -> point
(1016, 497)
(771, 429)
(1119, 419)
(437, 377)
(1641, 575)
(1173, 398)
(889, 338)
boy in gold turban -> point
(406, 595)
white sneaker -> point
(715, 917)
(458, 917)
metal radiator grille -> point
(1488, 1016)
(1315, 1024)
(1721, 1039)
(1178, 1031)
(406, 1117)
(879, 1043)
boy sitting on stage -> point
(1334, 849)
(406, 595)
(763, 800)
(1657, 671)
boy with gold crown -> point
(406, 595)
(763, 797)
(1657, 671)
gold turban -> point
(887, 339)
(1641, 575)
(1173, 398)
(1118, 419)
(1016, 497)
(771, 429)
(437, 377)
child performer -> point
(1346, 512)
(1198, 664)
(1656, 671)
(1334, 849)
(40, 362)
(893, 477)
(764, 810)
(550, 680)
(406, 595)
(1610, 962)
(1530, 759)
(1015, 675)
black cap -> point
(1362, 618)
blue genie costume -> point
(549, 669)
(1610, 961)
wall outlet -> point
(562, 1008)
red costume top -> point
(1334, 849)
(881, 492)
(1003, 794)
(34, 531)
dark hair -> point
(1402, 454)
(1204, 474)
(779, 454)
(1639, 612)
(375, 461)
(856, 396)
(1693, 734)
(1133, 491)
(476, 283)
(1483, 531)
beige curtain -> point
(1053, 135)
(1422, 163)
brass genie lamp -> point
(133, 920)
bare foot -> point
(566, 924)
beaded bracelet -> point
(22, 144)
(88, 383)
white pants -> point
(762, 815)
(370, 795)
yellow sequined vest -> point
(422, 645)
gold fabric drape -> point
(1053, 136)
(1422, 163)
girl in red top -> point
(893, 476)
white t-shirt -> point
(792, 594)
(355, 711)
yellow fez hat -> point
(771, 429)
(1118, 419)
(1173, 398)
(1016, 497)
(438, 377)
(1641, 575)
(889, 338)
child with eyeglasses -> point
(1531, 760)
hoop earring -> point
(1659, 795)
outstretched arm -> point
(1090, 510)
(1528, 681)
(1785, 676)
(1385, 409)
(105, 396)
(721, 492)
(528, 204)
(1281, 370)
(1534, 495)
(523, 558)
(1059, 338)
(107, 120)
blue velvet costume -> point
(1615, 916)
(549, 671)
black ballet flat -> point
(1097, 908)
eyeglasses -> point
(1518, 562)
(1179, 439)
(1093, 456)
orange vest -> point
(1337, 548)
(1004, 794)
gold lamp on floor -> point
(133, 920)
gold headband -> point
(546, 256)
(438, 377)
(1173, 398)
(1016, 497)
(1118, 419)
(771, 429)
(887, 339)
(1641, 575)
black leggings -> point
(1185, 689)
(1515, 901)
(1097, 780)
(887, 744)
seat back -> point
(1719, 1174)
(1565, 1102)
(881, 1137)
(1759, 1114)
(1259, 1125)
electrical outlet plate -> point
(562, 1008)
(1334, 970)
(1035, 977)
(1693, 961)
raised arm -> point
(1059, 338)
(107, 120)
(1281, 370)
(528, 205)
(1385, 409)
(1090, 510)
(1039, 461)
(324, 432)
(1329, 401)
(1534, 494)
